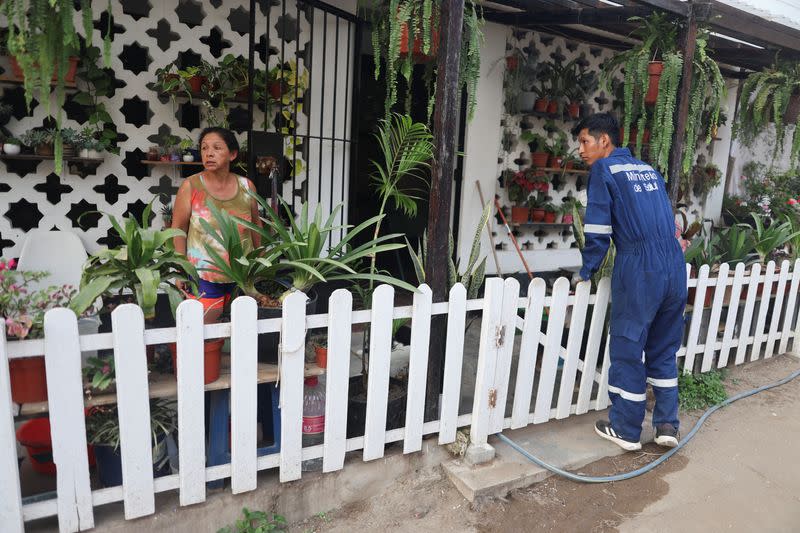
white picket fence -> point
(744, 328)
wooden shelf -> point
(555, 116)
(172, 163)
(11, 80)
(34, 157)
(552, 225)
(554, 170)
(200, 96)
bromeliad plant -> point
(770, 238)
(145, 263)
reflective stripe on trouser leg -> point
(626, 387)
(662, 344)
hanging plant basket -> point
(417, 48)
(654, 70)
(69, 77)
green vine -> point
(42, 37)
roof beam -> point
(585, 16)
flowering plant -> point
(21, 307)
(100, 372)
(524, 182)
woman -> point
(217, 184)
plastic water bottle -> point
(313, 420)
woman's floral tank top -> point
(238, 206)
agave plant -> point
(472, 277)
(772, 237)
(144, 264)
(299, 252)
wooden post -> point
(688, 43)
(445, 129)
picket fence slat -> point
(774, 334)
(380, 352)
(338, 379)
(747, 317)
(418, 368)
(596, 330)
(763, 308)
(292, 365)
(453, 359)
(790, 309)
(730, 318)
(504, 353)
(191, 402)
(547, 376)
(697, 318)
(716, 313)
(574, 345)
(602, 394)
(244, 393)
(528, 353)
(487, 359)
(127, 322)
(10, 493)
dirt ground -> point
(739, 473)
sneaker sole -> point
(625, 445)
(667, 441)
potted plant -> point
(22, 309)
(420, 17)
(185, 147)
(40, 140)
(557, 149)
(769, 238)
(166, 215)
(71, 138)
(102, 431)
(537, 203)
(170, 82)
(12, 146)
(320, 345)
(550, 212)
(568, 206)
(538, 147)
(519, 188)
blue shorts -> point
(209, 289)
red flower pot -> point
(555, 161)
(69, 77)
(537, 214)
(321, 354)
(549, 217)
(28, 379)
(552, 107)
(519, 215)
(654, 70)
(418, 44)
(276, 90)
(211, 361)
(574, 109)
(567, 219)
(569, 165)
(196, 83)
(541, 105)
(539, 159)
(512, 62)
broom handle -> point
(511, 236)
(489, 231)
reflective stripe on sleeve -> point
(663, 383)
(597, 228)
(628, 395)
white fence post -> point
(552, 351)
(244, 397)
(528, 353)
(508, 329)
(453, 360)
(340, 325)
(292, 364)
(730, 318)
(759, 335)
(747, 317)
(191, 402)
(774, 334)
(418, 368)
(574, 342)
(479, 451)
(790, 311)
(698, 308)
(380, 352)
(596, 331)
(10, 491)
(127, 323)
(716, 313)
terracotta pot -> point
(276, 89)
(46, 150)
(549, 217)
(555, 161)
(211, 361)
(243, 94)
(196, 83)
(519, 215)
(654, 70)
(574, 109)
(321, 353)
(569, 165)
(28, 379)
(69, 77)
(539, 159)
(552, 107)
(418, 44)
(537, 214)
(632, 135)
(512, 62)
(541, 105)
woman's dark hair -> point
(227, 137)
(598, 124)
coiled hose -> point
(663, 458)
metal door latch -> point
(492, 397)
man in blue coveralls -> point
(628, 202)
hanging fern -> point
(42, 37)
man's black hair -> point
(598, 124)
(227, 137)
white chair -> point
(61, 253)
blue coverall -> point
(628, 202)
